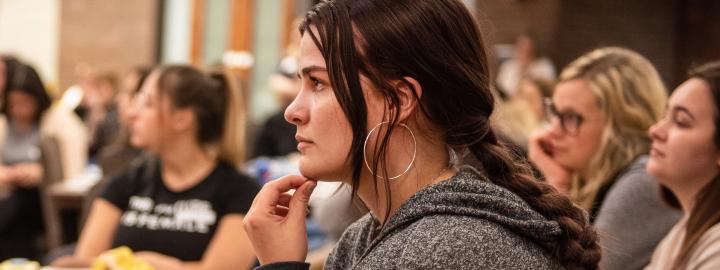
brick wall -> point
(112, 36)
(565, 29)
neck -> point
(185, 163)
(384, 197)
(687, 193)
(23, 126)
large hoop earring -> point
(411, 161)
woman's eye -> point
(680, 120)
(317, 84)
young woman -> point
(183, 210)
(685, 159)
(395, 93)
(24, 105)
(596, 148)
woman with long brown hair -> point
(685, 158)
(395, 99)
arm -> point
(27, 174)
(230, 248)
(96, 237)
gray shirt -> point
(633, 219)
(20, 147)
(464, 222)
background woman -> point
(184, 209)
(685, 159)
(596, 148)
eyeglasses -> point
(569, 121)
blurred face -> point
(324, 135)
(530, 93)
(146, 129)
(22, 107)
(576, 125)
(683, 151)
(125, 99)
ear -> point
(182, 119)
(409, 93)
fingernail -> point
(311, 187)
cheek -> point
(332, 134)
(580, 149)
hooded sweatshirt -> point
(464, 222)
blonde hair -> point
(632, 97)
(233, 143)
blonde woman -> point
(596, 147)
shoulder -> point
(139, 172)
(635, 181)
(459, 241)
(233, 180)
(707, 250)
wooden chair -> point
(51, 162)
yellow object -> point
(120, 258)
(19, 264)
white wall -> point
(29, 29)
(177, 28)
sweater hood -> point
(469, 194)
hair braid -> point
(577, 248)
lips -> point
(655, 152)
(302, 142)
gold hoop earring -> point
(411, 161)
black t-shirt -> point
(177, 224)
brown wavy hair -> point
(437, 43)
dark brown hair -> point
(705, 213)
(437, 43)
(214, 99)
(25, 79)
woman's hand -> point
(275, 222)
(540, 153)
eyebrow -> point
(309, 69)
(683, 109)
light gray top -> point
(20, 147)
(633, 219)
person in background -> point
(394, 93)
(24, 105)
(8, 65)
(525, 63)
(119, 153)
(184, 208)
(102, 112)
(518, 117)
(596, 148)
(685, 159)
(277, 137)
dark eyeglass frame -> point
(569, 121)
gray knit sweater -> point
(464, 222)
